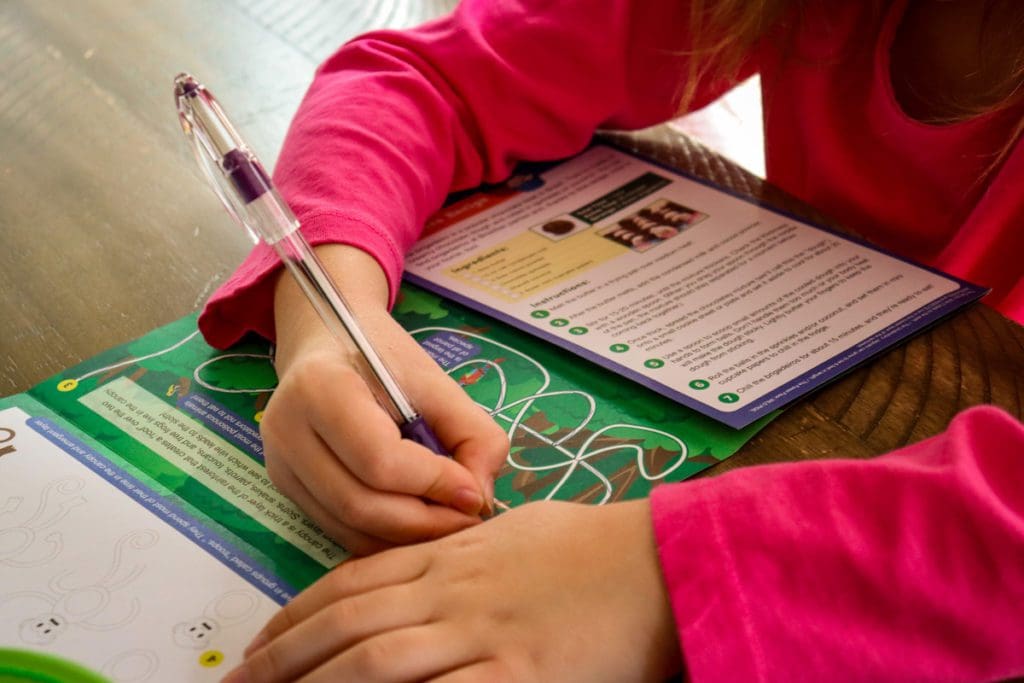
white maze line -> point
(574, 460)
(206, 385)
(196, 374)
(136, 360)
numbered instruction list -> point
(724, 305)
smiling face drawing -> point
(195, 634)
(224, 611)
(42, 630)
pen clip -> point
(233, 171)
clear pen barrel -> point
(309, 272)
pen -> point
(247, 193)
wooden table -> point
(109, 230)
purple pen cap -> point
(234, 172)
(418, 431)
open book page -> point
(712, 300)
(141, 537)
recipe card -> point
(713, 300)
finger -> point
(365, 520)
(390, 517)
(484, 456)
(354, 540)
(336, 400)
(490, 670)
(476, 440)
(351, 578)
(370, 446)
(405, 654)
(340, 624)
(345, 502)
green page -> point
(103, 463)
(186, 415)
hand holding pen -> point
(329, 432)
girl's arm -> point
(392, 123)
(904, 567)
(396, 120)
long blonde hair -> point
(724, 32)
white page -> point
(90, 575)
(713, 300)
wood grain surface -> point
(109, 230)
(906, 395)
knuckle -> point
(439, 477)
(347, 509)
(355, 519)
(264, 664)
(502, 445)
(342, 614)
(493, 429)
(503, 671)
(370, 659)
(344, 576)
(378, 472)
(286, 618)
(270, 430)
(276, 472)
(306, 372)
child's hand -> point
(545, 592)
(332, 449)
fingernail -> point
(259, 641)
(237, 675)
(489, 498)
(468, 501)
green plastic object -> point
(25, 666)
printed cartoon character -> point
(93, 606)
(20, 541)
(476, 375)
(224, 611)
(181, 387)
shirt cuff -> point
(245, 303)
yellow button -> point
(68, 385)
(211, 658)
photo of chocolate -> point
(560, 227)
(660, 221)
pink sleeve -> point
(904, 567)
(394, 121)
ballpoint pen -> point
(247, 193)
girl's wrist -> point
(357, 275)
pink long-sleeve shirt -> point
(909, 566)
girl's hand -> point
(545, 592)
(332, 449)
